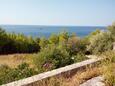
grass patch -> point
(15, 59)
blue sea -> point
(46, 31)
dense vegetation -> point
(8, 74)
(17, 43)
(57, 51)
(101, 41)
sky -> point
(57, 12)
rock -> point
(92, 56)
(114, 46)
(97, 81)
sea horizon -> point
(46, 31)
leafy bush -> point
(51, 58)
(73, 44)
(112, 29)
(81, 46)
(8, 74)
(96, 32)
(54, 39)
(58, 51)
(43, 43)
(79, 57)
(100, 43)
(109, 56)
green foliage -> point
(112, 30)
(79, 57)
(100, 43)
(75, 45)
(11, 74)
(58, 51)
(3, 38)
(81, 46)
(54, 39)
(51, 58)
(109, 55)
(17, 43)
(63, 37)
(43, 43)
(2, 33)
(96, 32)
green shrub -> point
(54, 39)
(17, 43)
(43, 43)
(8, 74)
(79, 57)
(81, 46)
(96, 32)
(51, 58)
(100, 43)
(63, 37)
(112, 30)
(4, 69)
(75, 45)
(109, 55)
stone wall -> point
(67, 69)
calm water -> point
(46, 31)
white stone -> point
(97, 81)
(114, 46)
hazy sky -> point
(57, 12)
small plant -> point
(79, 57)
(8, 74)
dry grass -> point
(109, 74)
(59, 80)
(15, 59)
(74, 80)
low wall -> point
(66, 69)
